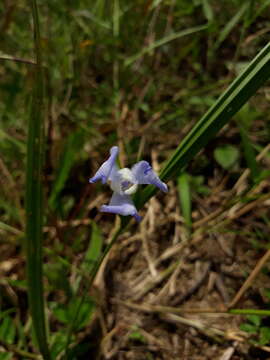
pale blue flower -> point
(124, 182)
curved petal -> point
(106, 168)
(122, 205)
(145, 175)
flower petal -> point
(145, 175)
(122, 205)
(123, 181)
(106, 168)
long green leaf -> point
(249, 154)
(185, 197)
(163, 41)
(34, 214)
(230, 25)
(94, 249)
(18, 143)
(92, 254)
(228, 104)
(263, 5)
(67, 159)
(208, 11)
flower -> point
(124, 182)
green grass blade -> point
(11, 229)
(93, 274)
(208, 11)
(263, 6)
(249, 154)
(20, 144)
(228, 104)
(34, 215)
(155, 3)
(229, 26)
(94, 249)
(258, 312)
(164, 41)
(116, 17)
(91, 257)
(185, 197)
(67, 159)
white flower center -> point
(125, 183)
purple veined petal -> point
(106, 168)
(144, 174)
(121, 205)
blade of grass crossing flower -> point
(227, 105)
(34, 215)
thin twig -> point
(15, 59)
(22, 353)
(250, 279)
(149, 308)
(236, 189)
(195, 286)
(153, 282)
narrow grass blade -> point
(10, 209)
(94, 249)
(249, 154)
(185, 197)
(228, 104)
(164, 41)
(229, 26)
(208, 11)
(155, 3)
(99, 7)
(21, 145)
(264, 4)
(11, 229)
(34, 214)
(258, 312)
(90, 16)
(67, 159)
(93, 274)
(91, 257)
(116, 17)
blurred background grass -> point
(134, 73)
